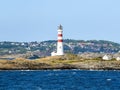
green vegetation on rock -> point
(68, 61)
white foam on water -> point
(25, 70)
(109, 79)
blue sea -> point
(59, 80)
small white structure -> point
(107, 57)
(118, 58)
(53, 53)
(60, 50)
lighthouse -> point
(60, 50)
(60, 41)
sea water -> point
(59, 80)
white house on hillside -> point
(118, 58)
(107, 57)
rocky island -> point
(60, 62)
(79, 54)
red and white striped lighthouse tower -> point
(60, 50)
(60, 41)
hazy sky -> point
(37, 20)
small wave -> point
(74, 73)
(50, 74)
(109, 79)
(39, 88)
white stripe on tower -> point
(60, 41)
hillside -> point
(46, 47)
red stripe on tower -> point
(60, 35)
(60, 40)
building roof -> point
(60, 27)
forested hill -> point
(70, 46)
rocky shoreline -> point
(51, 63)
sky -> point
(38, 20)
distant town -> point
(44, 48)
